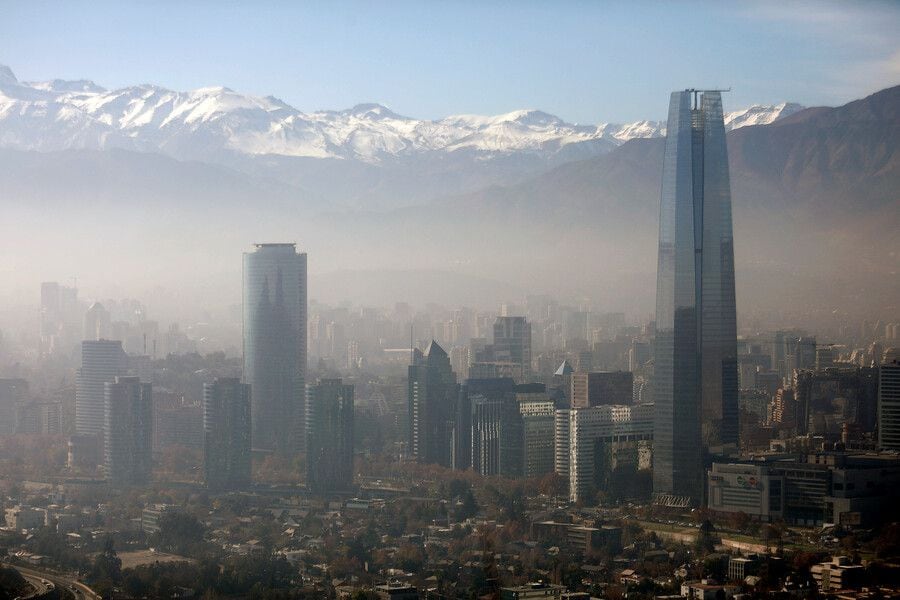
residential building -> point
(151, 514)
(838, 574)
(531, 591)
(396, 590)
(25, 517)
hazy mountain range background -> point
(143, 184)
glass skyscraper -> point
(226, 429)
(128, 431)
(696, 387)
(431, 399)
(275, 344)
(329, 436)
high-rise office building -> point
(60, 319)
(562, 437)
(432, 397)
(600, 439)
(44, 418)
(97, 323)
(101, 362)
(512, 342)
(13, 392)
(889, 400)
(827, 400)
(602, 387)
(824, 357)
(329, 436)
(497, 433)
(538, 428)
(275, 344)
(695, 386)
(638, 355)
(226, 433)
(128, 431)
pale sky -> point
(587, 62)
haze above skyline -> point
(588, 63)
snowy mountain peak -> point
(7, 75)
(211, 122)
(372, 110)
(62, 86)
(212, 90)
(530, 117)
(759, 114)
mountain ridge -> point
(213, 122)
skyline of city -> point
(547, 445)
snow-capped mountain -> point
(759, 114)
(212, 122)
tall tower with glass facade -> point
(275, 344)
(128, 431)
(329, 436)
(226, 434)
(432, 396)
(696, 387)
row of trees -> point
(258, 575)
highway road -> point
(69, 588)
(39, 584)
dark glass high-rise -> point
(695, 385)
(275, 344)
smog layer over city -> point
(450, 300)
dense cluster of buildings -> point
(533, 390)
(774, 426)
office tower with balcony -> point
(695, 385)
(329, 436)
(226, 434)
(274, 321)
(128, 431)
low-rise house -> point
(705, 590)
(839, 574)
